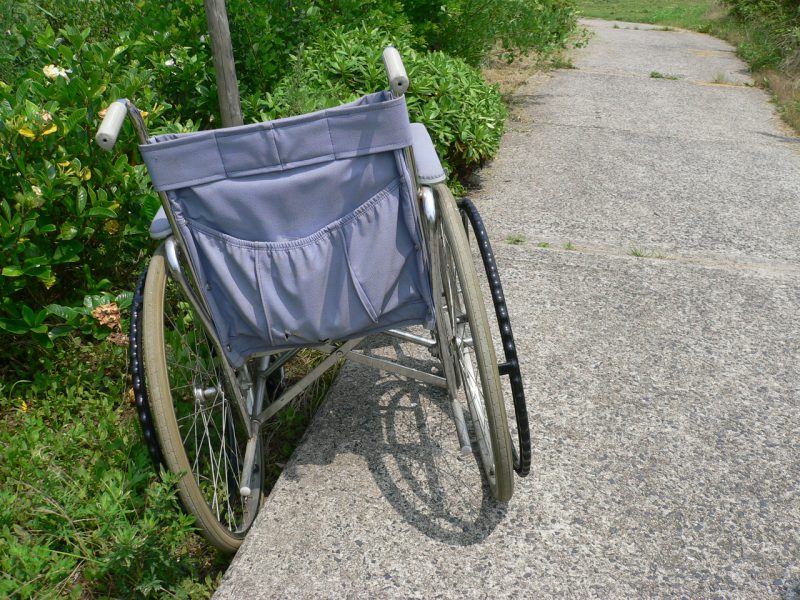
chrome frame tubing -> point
(385, 364)
(336, 353)
(427, 224)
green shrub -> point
(15, 52)
(265, 35)
(469, 29)
(774, 27)
(73, 218)
(464, 115)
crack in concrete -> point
(766, 266)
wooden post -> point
(227, 86)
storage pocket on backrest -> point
(384, 257)
(359, 274)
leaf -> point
(16, 326)
(68, 231)
(101, 211)
(49, 130)
(124, 299)
(41, 316)
(65, 312)
(12, 271)
(26, 132)
(59, 331)
(67, 252)
(95, 300)
(41, 337)
(27, 226)
(28, 315)
(80, 200)
(39, 271)
(77, 117)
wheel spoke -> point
(468, 343)
(193, 392)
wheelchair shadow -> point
(405, 432)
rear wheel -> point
(489, 280)
(199, 427)
(466, 344)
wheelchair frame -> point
(249, 384)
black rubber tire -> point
(136, 371)
(509, 368)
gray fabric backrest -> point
(300, 230)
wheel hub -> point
(201, 395)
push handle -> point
(395, 71)
(109, 129)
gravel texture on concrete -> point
(661, 358)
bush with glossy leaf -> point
(73, 218)
(463, 114)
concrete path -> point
(661, 360)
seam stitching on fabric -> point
(382, 195)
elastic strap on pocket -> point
(262, 295)
(362, 296)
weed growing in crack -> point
(657, 75)
(645, 253)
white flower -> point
(170, 62)
(203, 39)
(53, 72)
(36, 190)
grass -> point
(771, 68)
(516, 239)
(640, 252)
(689, 14)
(720, 78)
(568, 245)
(560, 61)
(82, 512)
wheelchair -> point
(313, 231)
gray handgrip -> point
(109, 129)
(395, 71)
